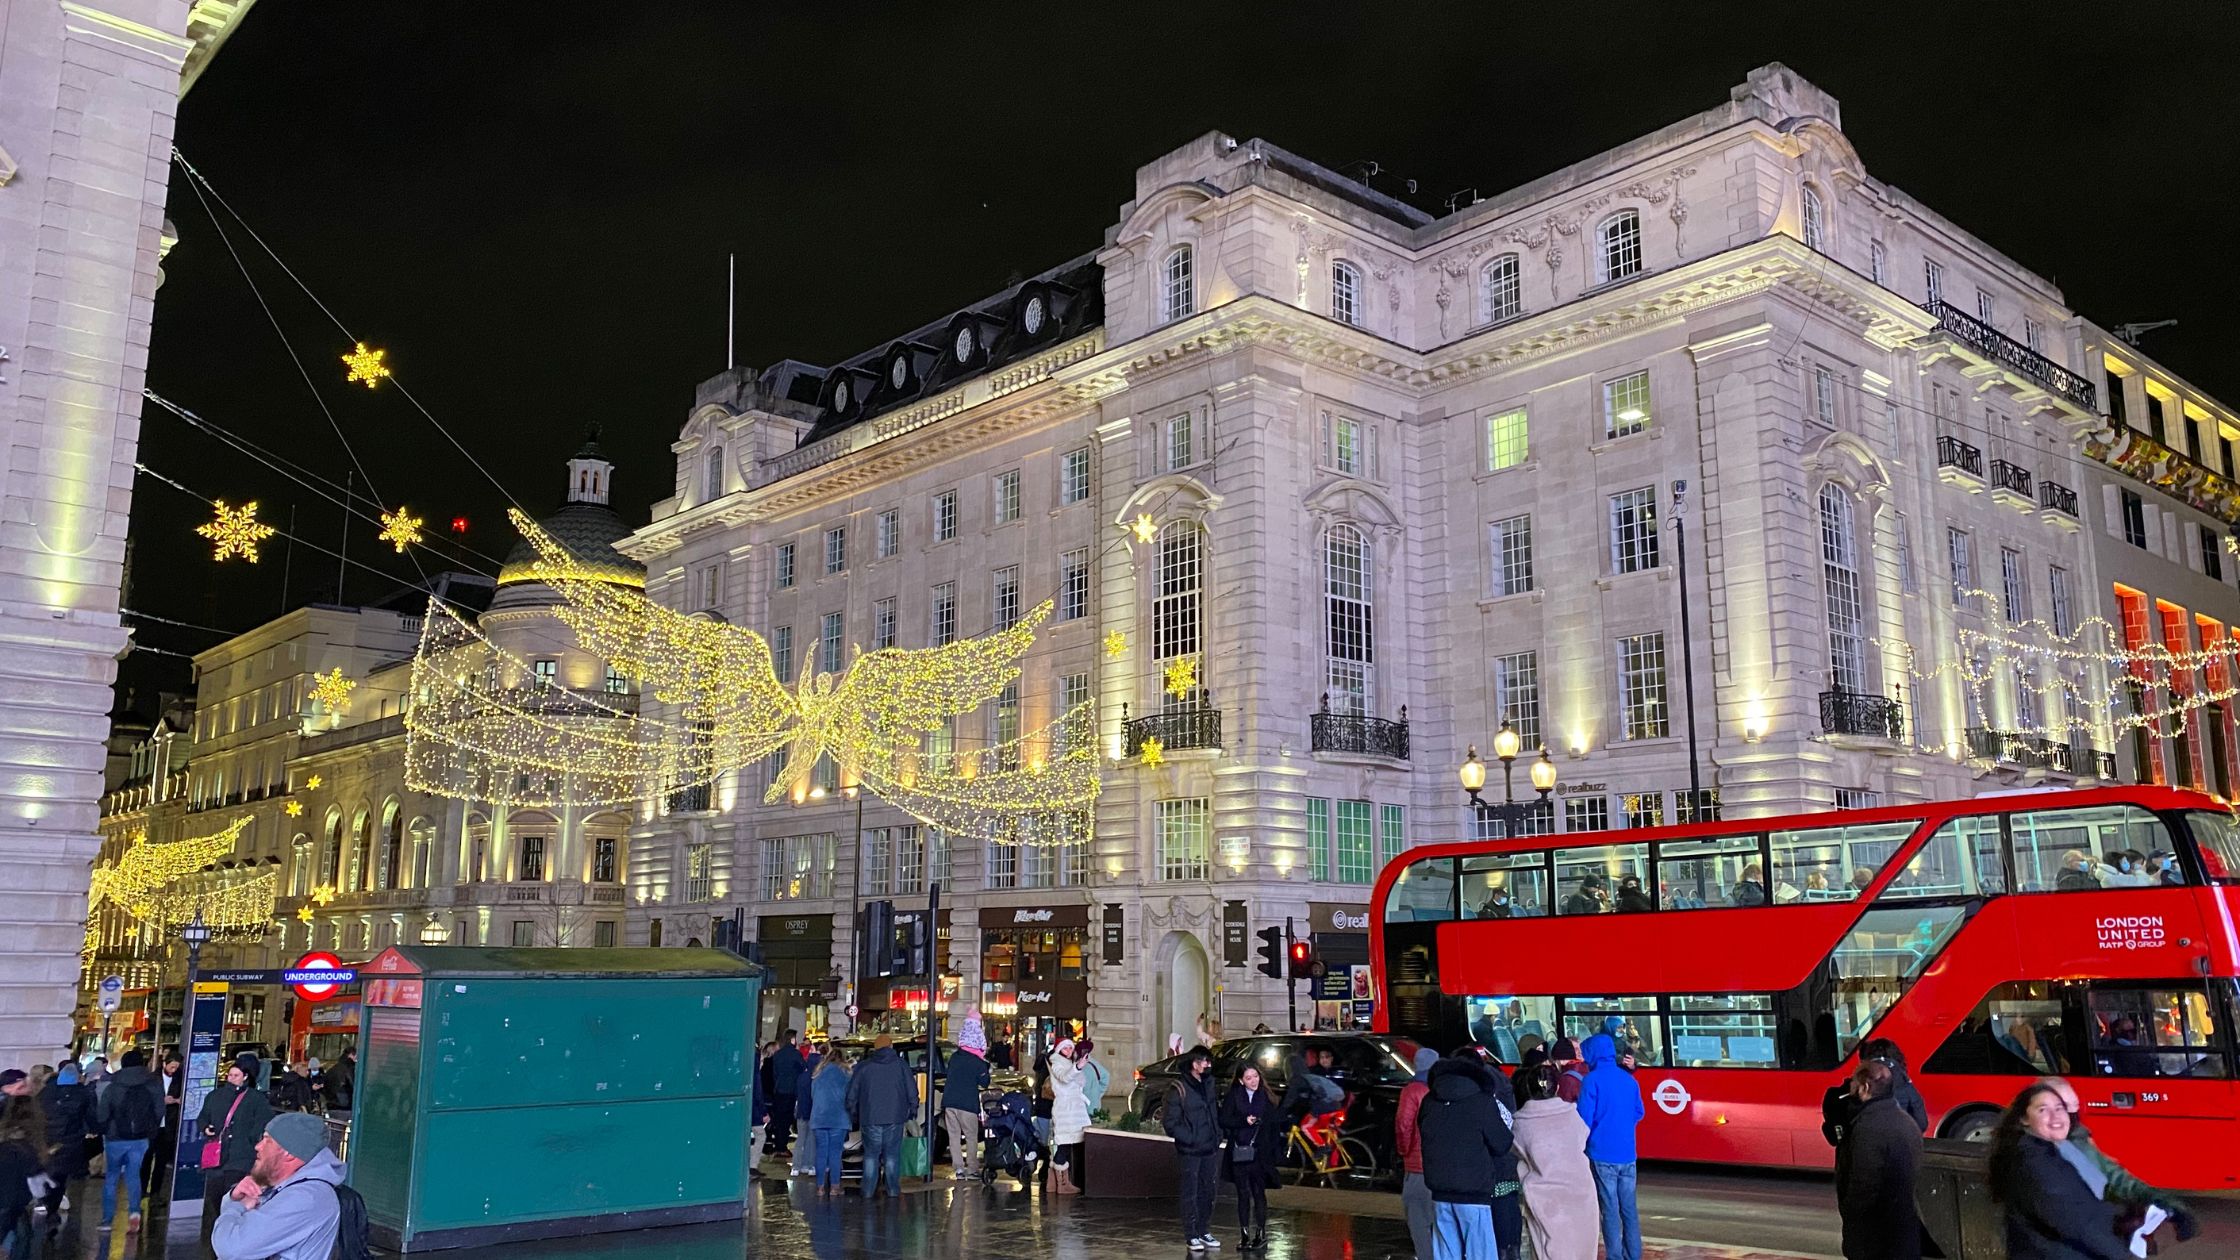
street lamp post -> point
(1509, 812)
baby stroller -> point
(1012, 1145)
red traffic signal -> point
(1301, 954)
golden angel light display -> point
(482, 726)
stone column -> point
(87, 99)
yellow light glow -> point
(1182, 675)
(303, 914)
(1144, 528)
(295, 809)
(366, 365)
(332, 690)
(312, 784)
(400, 527)
(1116, 643)
(1154, 751)
(324, 894)
(236, 531)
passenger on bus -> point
(1631, 898)
(1750, 890)
(1496, 904)
(2076, 873)
(1592, 895)
(2126, 1054)
(2125, 868)
(2164, 865)
(1861, 877)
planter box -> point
(1119, 1165)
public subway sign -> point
(2130, 931)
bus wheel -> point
(1974, 1124)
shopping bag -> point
(917, 1161)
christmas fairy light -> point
(332, 690)
(400, 528)
(295, 809)
(366, 365)
(1153, 752)
(1116, 643)
(1182, 675)
(1144, 528)
(235, 531)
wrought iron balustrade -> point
(2008, 353)
(2054, 496)
(1862, 713)
(1360, 733)
(2014, 477)
(691, 800)
(1954, 453)
(1176, 730)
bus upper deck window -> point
(2216, 841)
(1423, 893)
(1833, 863)
(2086, 850)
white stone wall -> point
(87, 99)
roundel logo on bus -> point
(1671, 1096)
(2130, 931)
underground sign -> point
(305, 976)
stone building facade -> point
(1715, 403)
(87, 97)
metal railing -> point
(1359, 733)
(1862, 713)
(2082, 760)
(1176, 730)
(2008, 353)
(2014, 477)
(1954, 453)
(691, 800)
(2013, 748)
(2054, 496)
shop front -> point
(797, 953)
(899, 1004)
(1343, 997)
(1034, 980)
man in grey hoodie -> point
(286, 1208)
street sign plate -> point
(328, 976)
(242, 977)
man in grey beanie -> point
(285, 1209)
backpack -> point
(136, 1114)
(1322, 1094)
(350, 1239)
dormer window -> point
(1178, 296)
(898, 372)
(1345, 293)
(1031, 318)
(840, 395)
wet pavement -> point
(1782, 1217)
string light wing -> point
(133, 880)
(366, 365)
(235, 531)
(401, 528)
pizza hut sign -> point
(1031, 916)
(2130, 931)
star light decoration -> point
(303, 914)
(324, 894)
(1144, 528)
(312, 784)
(366, 365)
(1116, 643)
(1182, 675)
(1154, 751)
(236, 531)
(332, 690)
(295, 809)
(401, 527)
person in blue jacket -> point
(1610, 1103)
(828, 1117)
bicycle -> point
(1330, 1154)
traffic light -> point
(1302, 960)
(1271, 953)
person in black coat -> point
(2054, 1211)
(23, 1133)
(1875, 1170)
(70, 1122)
(234, 1115)
(1192, 1119)
(1840, 1104)
(1253, 1125)
(1470, 1160)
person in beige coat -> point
(1560, 1208)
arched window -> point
(330, 853)
(1500, 290)
(1349, 673)
(392, 850)
(1815, 219)
(715, 473)
(1178, 295)
(1618, 247)
(1839, 568)
(300, 863)
(1345, 293)
(423, 853)
(1177, 605)
(361, 853)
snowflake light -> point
(1182, 675)
(312, 784)
(324, 894)
(401, 527)
(1145, 529)
(332, 690)
(1154, 751)
(295, 809)
(236, 531)
(1116, 643)
(366, 365)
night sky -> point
(530, 205)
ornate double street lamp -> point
(1510, 812)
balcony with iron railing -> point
(1863, 714)
(1999, 350)
(2011, 748)
(2057, 499)
(2011, 483)
(698, 799)
(1177, 730)
(1957, 459)
(1358, 733)
(2082, 760)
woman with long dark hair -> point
(2053, 1193)
(1254, 1127)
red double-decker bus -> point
(2083, 934)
